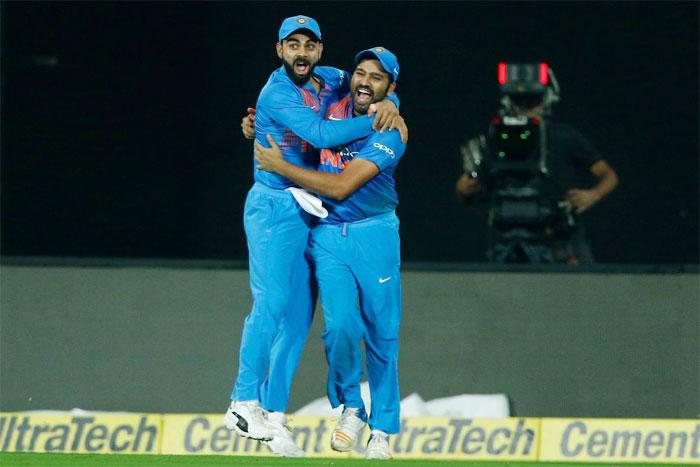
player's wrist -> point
(283, 167)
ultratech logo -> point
(77, 434)
(463, 436)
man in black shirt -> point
(573, 164)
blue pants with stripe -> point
(357, 268)
(284, 295)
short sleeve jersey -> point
(378, 195)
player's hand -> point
(399, 124)
(248, 124)
(582, 200)
(269, 159)
(385, 110)
(388, 118)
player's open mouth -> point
(363, 95)
(301, 67)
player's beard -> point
(299, 80)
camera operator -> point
(571, 160)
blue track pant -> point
(357, 267)
(274, 333)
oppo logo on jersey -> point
(386, 149)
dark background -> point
(120, 121)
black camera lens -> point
(526, 101)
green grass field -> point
(8, 459)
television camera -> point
(528, 210)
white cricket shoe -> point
(247, 419)
(282, 442)
(346, 433)
(378, 446)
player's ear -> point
(278, 47)
(390, 89)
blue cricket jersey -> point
(293, 116)
(378, 195)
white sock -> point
(251, 402)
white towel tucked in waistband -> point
(308, 202)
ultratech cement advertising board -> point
(516, 439)
(614, 440)
(420, 437)
(89, 433)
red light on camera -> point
(501, 73)
(544, 73)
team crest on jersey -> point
(339, 158)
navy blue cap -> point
(385, 57)
(295, 23)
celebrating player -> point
(356, 254)
(289, 108)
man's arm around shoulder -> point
(331, 185)
(285, 105)
(381, 151)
